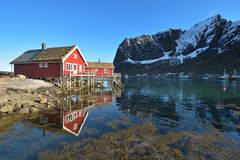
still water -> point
(171, 104)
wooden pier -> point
(88, 82)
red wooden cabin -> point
(100, 69)
(50, 62)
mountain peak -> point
(211, 37)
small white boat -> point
(205, 77)
(182, 75)
(235, 76)
(225, 76)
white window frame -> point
(75, 56)
(45, 65)
(40, 65)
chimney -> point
(43, 46)
(99, 61)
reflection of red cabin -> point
(50, 62)
(101, 69)
(103, 99)
(74, 121)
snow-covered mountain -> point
(204, 44)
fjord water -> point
(171, 104)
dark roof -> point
(26, 57)
(99, 65)
(53, 54)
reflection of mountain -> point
(143, 103)
(73, 121)
(186, 104)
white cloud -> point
(212, 13)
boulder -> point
(58, 92)
(22, 110)
(47, 92)
(39, 106)
(17, 105)
(43, 101)
(25, 105)
(7, 109)
(21, 76)
(34, 110)
(37, 100)
(49, 105)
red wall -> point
(100, 71)
(32, 70)
(78, 61)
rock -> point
(21, 76)
(39, 106)
(37, 100)
(22, 91)
(46, 92)
(7, 109)
(58, 92)
(22, 110)
(49, 105)
(2, 103)
(25, 105)
(17, 105)
(34, 110)
(43, 101)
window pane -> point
(45, 65)
(40, 65)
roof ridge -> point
(60, 47)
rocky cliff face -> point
(206, 47)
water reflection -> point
(73, 121)
(175, 104)
(73, 112)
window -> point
(68, 67)
(69, 118)
(74, 67)
(80, 68)
(45, 65)
(80, 114)
(75, 126)
(105, 70)
(75, 56)
(75, 115)
(40, 65)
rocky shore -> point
(25, 96)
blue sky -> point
(96, 26)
